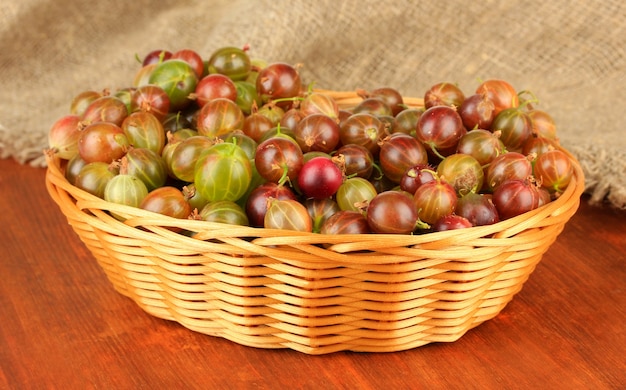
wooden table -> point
(63, 326)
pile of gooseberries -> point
(237, 140)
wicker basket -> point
(310, 292)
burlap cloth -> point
(570, 54)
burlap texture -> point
(570, 54)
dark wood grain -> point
(63, 326)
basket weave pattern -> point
(310, 292)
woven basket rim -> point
(137, 217)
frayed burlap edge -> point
(25, 150)
(604, 171)
(605, 181)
